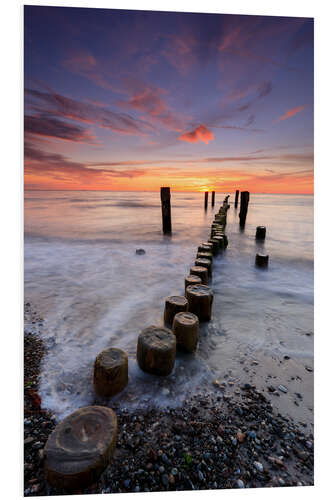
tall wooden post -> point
(213, 198)
(166, 210)
(245, 196)
(206, 200)
(236, 198)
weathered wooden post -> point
(206, 200)
(110, 372)
(186, 328)
(200, 300)
(80, 447)
(261, 260)
(213, 198)
(174, 305)
(192, 279)
(236, 198)
(166, 210)
(245, 196)
(156, 350)
(260, 233)
(200, 271)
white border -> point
(11, 200)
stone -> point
(140, 251)
(258, 466)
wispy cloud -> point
(85, 64)
(288, 114)
(151, 102)
(58, 105)
(56, 129)
(40, 163)
(200, 133)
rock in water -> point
(80, 447)
(174, 305)
(110, 372)
(186, 327)
(200, 300)
(140, 251)
(156, 350)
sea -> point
(82, 274)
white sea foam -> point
(82, 272)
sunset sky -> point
(130, 100)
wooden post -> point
(206, 200)
(245, 196)
(260, 233)
(261, 260)
(213, 198)
(166, 210)
(236, 198)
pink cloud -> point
(151, 101)
(180, 52)
(86, 65)
(200, 133)
(290, 113)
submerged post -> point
(245, 196)
(213, 198)
(236, 198)
(206, 199)
(166, 210)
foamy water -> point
(82, 273)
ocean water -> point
(83, 275)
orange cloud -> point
(290, 113)
(200, 133)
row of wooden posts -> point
(82, 444)
(166, 207)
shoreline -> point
(210, 442)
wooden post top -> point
(165, 193)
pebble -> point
(282, 388)
(140, 251)
(165, 480)
(258, 466)
(240, 483)
(241, 437)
